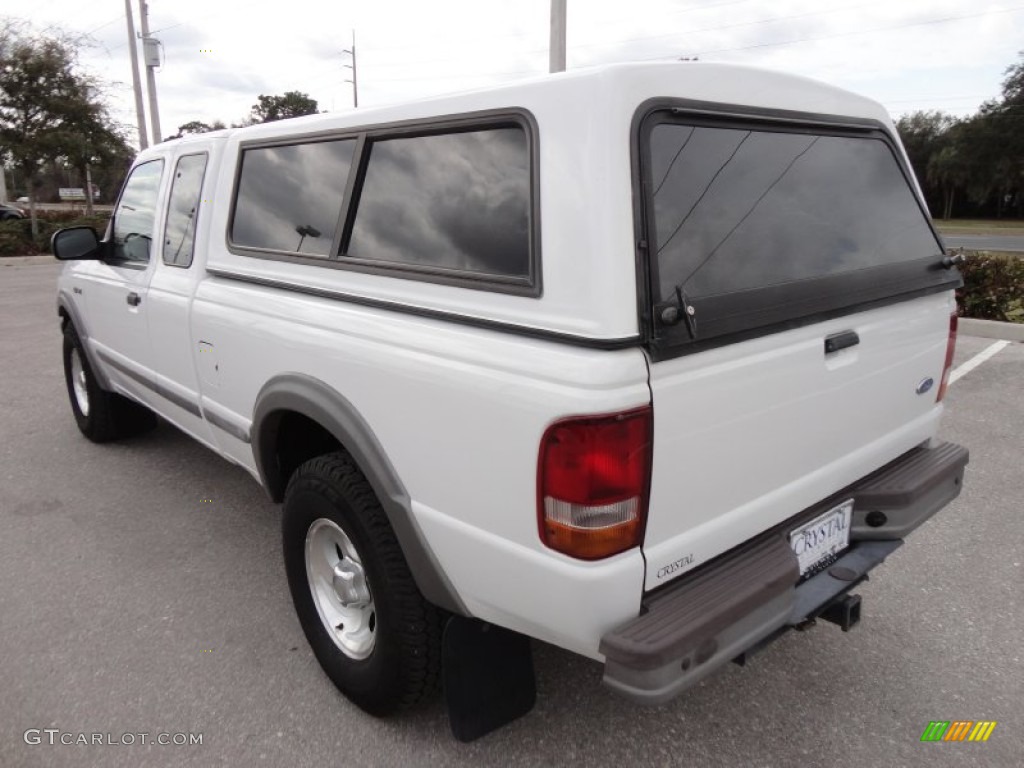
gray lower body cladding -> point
(751, 594)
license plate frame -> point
(818, 543)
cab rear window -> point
(755, 225)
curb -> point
(991, 329)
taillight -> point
(947, 367)
(593, 478)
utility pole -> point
(352, 66)
(88, 190)
(151, 58)
(557, 36)
(140, 113)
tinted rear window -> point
(740, 209)
(777, 220)
(456, 201)
(289, 197)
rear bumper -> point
(748, 596)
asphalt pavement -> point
(986, 242)
(142, 591)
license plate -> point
(818, 543)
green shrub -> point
(993, 286)
(16, 235)
(15, 238)
(11, 244)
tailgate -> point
(747, 435)
(798, 304)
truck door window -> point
(183, 210)
(135, 213)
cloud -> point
(412, 49)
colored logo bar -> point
(958, 730)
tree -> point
(925, 135)
(978, 160)
(193, 127)
(48, 109)
(1013, 85)
(948, 170)
(993, 144)
(291, 104)
(1010, 120)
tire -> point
(384, 655)
(101, 416)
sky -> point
(219, 55)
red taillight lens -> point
(947, 367)
(592, 483)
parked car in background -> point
(8, 211)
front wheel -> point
(101, 416)
(372, 631)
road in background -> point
(142, 590)
(986, 242)
(76, 207)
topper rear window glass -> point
(737, 209)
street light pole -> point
(140, 113)
(558, 35)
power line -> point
(217, 12)
(106, 24)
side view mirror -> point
(75, 244)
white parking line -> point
(977, 360)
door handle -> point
(838, 341)
(133, 299)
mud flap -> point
(488, 677)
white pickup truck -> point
(644, 361)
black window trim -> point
(710, 114)
(528, 286)
(108, 239)
(167, 207)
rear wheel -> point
(372, 631)
(101, 416)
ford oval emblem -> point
(925, 385)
